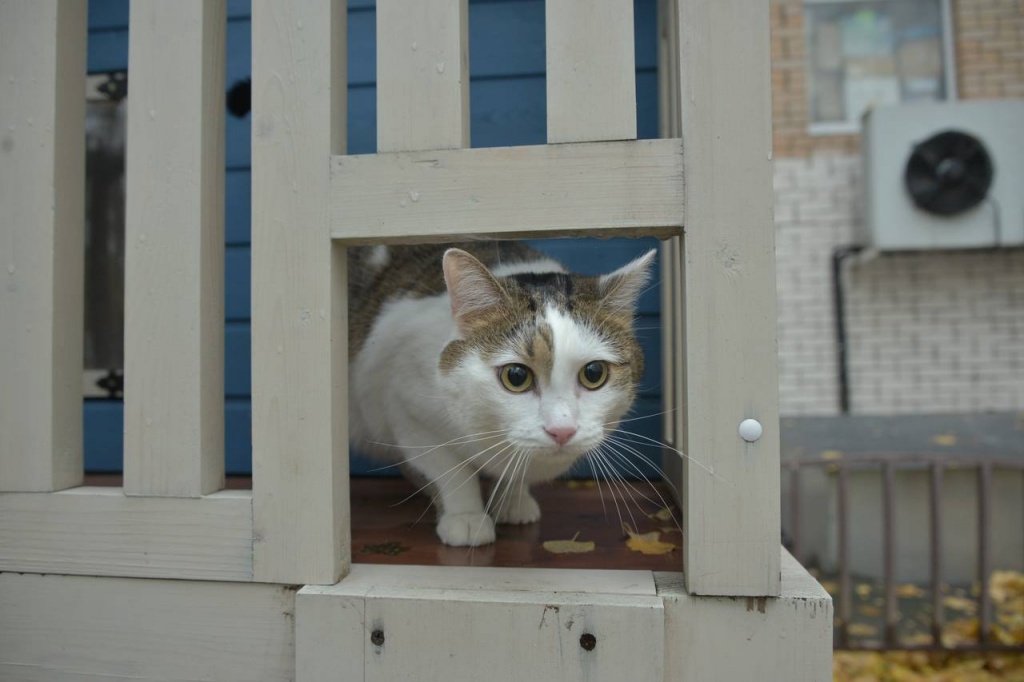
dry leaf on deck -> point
(663, 514)
(648, 543)
(569, 546)
(863, 590)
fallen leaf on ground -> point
(831, 455)
(961, 604)
(945, 439)
(863, 589)
(910, 591)
(869, 610)
(573, 546)
(647, 543)
(663, 514)
(862, 630)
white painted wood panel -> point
(422, 75)
(100, 531)
(783, 639)
(621, 187)
(732, 515)
(467, 633)
(60, 628)
(299, 323)
(591, 70)
(174, 260)
(42, 184)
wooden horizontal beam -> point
(58, 627)
(101, 531)
(372, 625)
(628, 188)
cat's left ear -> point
(621, 289)
(471, 286)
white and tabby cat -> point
(498, 364)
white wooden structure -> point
(172, 577)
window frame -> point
(826, 128)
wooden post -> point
(174, 265)
(299, 308)
(731, 486)
(42, 190)
(591, 70)
(422, 75)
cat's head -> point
(549, 362)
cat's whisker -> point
(644, 416)
(625, 460)
(623, 443)
(623, 486)
(647, 440)
(597, 458)
(597, 481)
(460, 440)
(450, 473)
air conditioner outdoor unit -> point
(944, 176)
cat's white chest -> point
(394, 390)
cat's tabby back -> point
(487, 359)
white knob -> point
(750, 430)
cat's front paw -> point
(521, 509)
(465, 530)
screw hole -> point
(377, 637)
(588, 641)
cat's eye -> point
(593, 375)
(516, 378)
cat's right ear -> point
(471, 286)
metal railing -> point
(887, 465)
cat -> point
(487, 358)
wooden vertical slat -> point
(591, 72)
(422, 75)
(671, 272)
(299, 323)
(42, 181)
(732, 515)
(174, 264)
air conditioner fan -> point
(949, 173)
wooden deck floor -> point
(386, 530)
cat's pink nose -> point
(561, 434)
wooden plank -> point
(619, 187)
(42, 183)
(299, 309)
(377, 630)
(174, 264)
(732, 488)
(60, 628)
(788, 639)
(591, 79)
(422, 75)
(101, 531)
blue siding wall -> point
(507, 91)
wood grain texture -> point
(101, 531)
(62, 628)
(422, 75)
(732, 512)
(591, 79)
(299, 352)
(42, 183)
(442, 631)
(628, 188)
(784, 639)
(174, 264)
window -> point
(865, 54)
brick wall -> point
(929, 331)
(989, 48)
